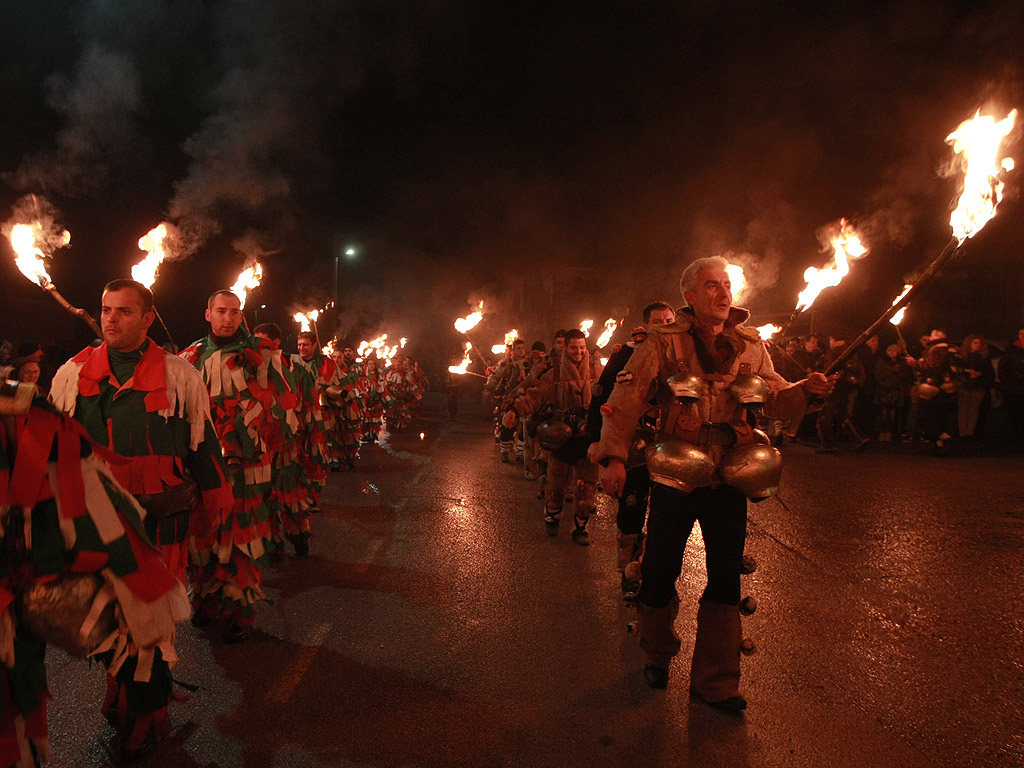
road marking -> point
(287, 681)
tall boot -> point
(626, 547)
(658, 640)
(715, 671)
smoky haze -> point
(560, 161)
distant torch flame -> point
(510, 339)
(464, 324)
(247, 281)
(898, 317)
(737, 280)
(462, 367)
(606, 335)
(767, 331)
(977, 142)
(153, 244)
(402, 342)
(28, 256)
(305, 318)
(328, 348)
(847, 247)
(585, 326)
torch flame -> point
(153, 244)
(606, 335)
(247, 281)
(402, 342)
(898, 317)
(328, 348)
(28, 256)
(305, 318)
(847, 247)
(767, 331)
(977, 141)
(737, 280)
(464, 324)
(585, 326)
(462, 367)
(510, 339)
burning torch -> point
(146, 270)
(846, 247)
(976, 143)
(248, 280)
(31, 261)
(465, 324)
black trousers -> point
(633, 501)
(722, 513)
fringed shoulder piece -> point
(187, 396)
(64, 388)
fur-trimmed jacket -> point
(684, 347)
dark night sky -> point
(469, 148)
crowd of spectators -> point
(949, 397)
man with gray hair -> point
(709, 375)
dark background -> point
(559, 160)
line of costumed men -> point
(673, 417)
(147, 472)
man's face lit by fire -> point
(349, 355)
(560, 344)
(519, 350)
(224, 315)
(305, 347)
(123, 322)
(576, 349)
(663, 316)
(712, 297)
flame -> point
(365, 347)
(737, 280)
(604, 361)
(585, 326)
(153, 244)
(462, 367)
(464, 324)
(28, 256)
(328, 348)
(510, 339)
(847, 247)
(977, 141)
(247, 281)
(402, 342)
(767, 331)
(606, 335)
(305, 318)
(898, 317)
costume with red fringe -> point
(344, 395)
(370, 390)
(247, 416)
(289, 497)
(77, 569)
(315, 421)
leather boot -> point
(658, 639)
(626, 546)
(715, 672)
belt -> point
(716, 434)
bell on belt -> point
(552, 435)
(679, 465)
(55, 612)
(687, 387)
(753, 469)
(749, 390)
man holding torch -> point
(708, 373)
(251, 407)
(152, 409)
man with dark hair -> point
(566, 391)
(704, 370)
(253, 413)
(632, 511)
(153, 409)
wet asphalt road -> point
(435, 624)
